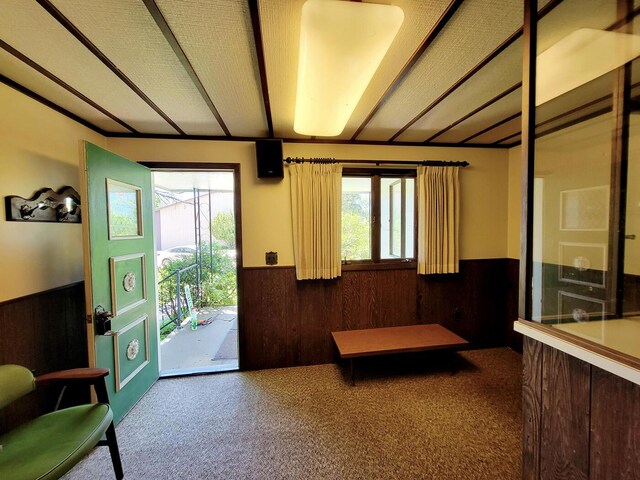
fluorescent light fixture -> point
(341, 47)
(580, 57)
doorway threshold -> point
(180, 372)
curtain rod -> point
(430, 163)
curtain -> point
(316, 204)
(438, 219)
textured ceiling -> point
(228, 68)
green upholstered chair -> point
(50, 445)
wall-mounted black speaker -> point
(269, 158)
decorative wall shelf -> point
(46, 205)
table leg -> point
(454, 363)
(353, 373)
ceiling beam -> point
(614, 26)
(39, 98)
(623, 21)
(574, 110)
(491, 127)
(514, 144)
(426, 42)
(575, 121)
(295, 140)
(23, 58)
(497, 51)
(155, 12)
(257, 37)
(477, 110)
(568, 113)
(71, 28)
(509, 137)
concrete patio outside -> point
(212, 347)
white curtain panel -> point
(316, 201)
(438, 219)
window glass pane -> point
(410, 218)
(578, 206)
(356, 218)
(631, 306)
(397, 213)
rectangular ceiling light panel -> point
(341, 47)
(580, 57)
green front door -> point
(119, 274)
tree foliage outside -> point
(122, 224)
(356, 226)
(223, 228)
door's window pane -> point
(124, 210)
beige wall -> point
(41, 148)
(266, 204)
(266, 210)
(514, 203)
(38, 148)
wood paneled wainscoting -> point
(579, 420)
(44, 332)
(288, 322)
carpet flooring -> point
(408, 418)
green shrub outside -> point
(218, 285)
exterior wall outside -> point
(174, 224)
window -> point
(378, 216)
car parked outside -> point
(181, 252)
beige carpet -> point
(401, 421)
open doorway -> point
(195, 226)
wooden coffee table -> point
(384, 341)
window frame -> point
(375, 262)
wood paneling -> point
(288, 322)
(471, 303)
(531, 408)
(615, 427)
(378, 299)
(564, 449)
(514, 339)
(582, 422)
(44, 332)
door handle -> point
(103, 320)
(631, 236)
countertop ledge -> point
(621, 365)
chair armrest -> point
(91, 376)
(75, 375)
